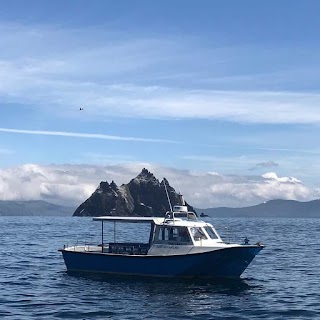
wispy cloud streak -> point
(83, 135)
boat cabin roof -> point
(172, 218)
(130, 219)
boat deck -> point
(128, 248)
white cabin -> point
(179, 232)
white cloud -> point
(272, 176)
(33, 182)
(51, 67)
(73, 184)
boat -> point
(180, 246)
(203, 215)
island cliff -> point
(142, 196)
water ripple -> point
(281, 283)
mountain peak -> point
(144, 176)
(103, 186)
(113, 186)
(145, 173)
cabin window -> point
(211, 233)
(183, 234)
(175, 235)
(198, 234)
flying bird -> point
(80, 109)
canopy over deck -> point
(130, 219)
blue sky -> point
(228, 88)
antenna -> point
(181, 199)
(179, 187)
(164, 182)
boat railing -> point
(228, 235)
(182, 215)
(84, 246)
(133, 248)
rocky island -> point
(144, 195)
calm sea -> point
(283, 282)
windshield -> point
(198, 234)
(211, 233)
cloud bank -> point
(73, 184)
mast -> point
(164, 182)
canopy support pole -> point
(102, 235)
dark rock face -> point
(142, 196)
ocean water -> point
(283, 281)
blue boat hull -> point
(222, 263)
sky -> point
(221, 97)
